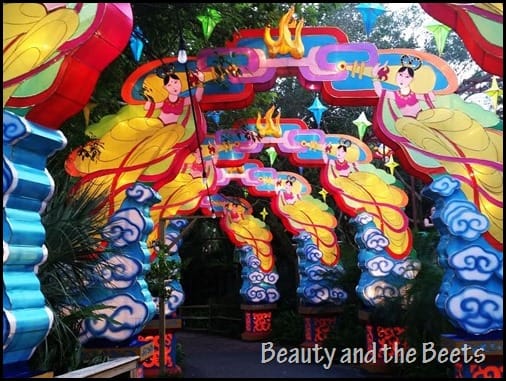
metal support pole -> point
(161, 309)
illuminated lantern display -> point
(383, 277)
(362, 124)
(440, 33)
(137, 40)
(163, 359)
(67, 38)
(370, 13)
(271, 152)
(209, 19)
(259, 276)
(225, 156)
(318, 323)
(257, 321)
(494, 92)
(73, 44)
(124, 233)
(156, 164)
(465, 184)
(215, 116)
(317, 290)
(317, 108)
(382, 343)
(152, 364)
(465, 282)
(27, 185)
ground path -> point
(211, 356)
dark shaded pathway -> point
(210, 356)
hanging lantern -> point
(317, 108)
(382, 152)
(209, 19)
(440, 33)
(137, 43)
(87, 111)
(264, 214)
(362, 124)
(271, 151)
(324, 194)
(494, 93)
(370, 13)
(215, 116)
(391, 164)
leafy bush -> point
(422, 321)
(348, 332)
(287, 327)
(421, 318)
(73, 237)
(162, 270)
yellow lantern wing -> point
(466, 150)
(312, 215)
(31, 37)
(253, 232)
(385, 202)
(137, 149)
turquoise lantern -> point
(317, 108)
(370, 13)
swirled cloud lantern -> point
(53, 54)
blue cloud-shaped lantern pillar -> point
(318, 283)
(27, 188)
(257, 286)
(164, 356)
(259, 294)
(121, 286)
(383, 277)
(471, 293)
(318, 291)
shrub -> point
(287, 327)
(73, 237)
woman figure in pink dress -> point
(405, 98)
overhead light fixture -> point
(206, 185)
(182, 57)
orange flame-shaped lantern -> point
(285, 44)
